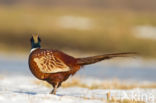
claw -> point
(53, 91)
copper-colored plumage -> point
(67, 60)
(55, 66)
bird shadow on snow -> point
(35, 93)
(60, 95)
(57, 94)
(26, 92)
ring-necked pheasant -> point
(55, 66)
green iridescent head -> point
(35, 41)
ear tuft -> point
(35, 37)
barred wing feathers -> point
(50, 64)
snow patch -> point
(22, 89)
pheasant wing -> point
(51, 64)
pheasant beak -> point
(35, 37)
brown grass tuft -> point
(111, 84)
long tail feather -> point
(94, 59)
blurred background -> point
(82, 28)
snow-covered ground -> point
(23, 89)
(18, 85)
